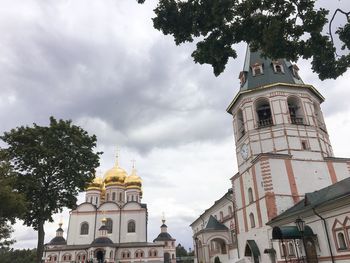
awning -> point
(252, 250)
(290, 232)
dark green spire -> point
(259, 71)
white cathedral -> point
(111, 226)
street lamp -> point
(301, 227)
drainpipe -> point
(326, 230)
(95, 223)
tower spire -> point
(261, 71)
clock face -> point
(244, 151)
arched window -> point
(263, 113)
(240, 124)
(295, 110)
(295, 71)
(250, 195)
(66, 257)
(277, 67)
(252, 220)
(291, 249)
(257, 69)
(84, 228)
(109, 225)
(230, 210)
(283, 250)
(107, 197)
(139, 254)
(341, 241)
(113, 196)
(221, 216)
(131, 226)
(120, 197)
(126, 254)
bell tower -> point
(282, 146)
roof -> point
(214, 224)
(58, 241)
(317, 199)
(269, 75)
(225, 196)
(164, 236)
(86, 246)
(102, 241)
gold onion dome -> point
(116, 175)
(133, 180)
(96, 184)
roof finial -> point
(133, 161)
(117, 157)
(60, 223)
(163, 218)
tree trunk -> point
(40, 246)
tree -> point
(181, 251)
(18, 256)
(12, 203)
(279, 28)
(52, 164)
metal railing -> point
(296, 120)
(265, 122)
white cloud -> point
(101, 64)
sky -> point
(102, 65)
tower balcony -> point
(297, 120)
(265, 122)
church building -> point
(283, 151)
(111, 226)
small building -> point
(213, 232)
(326, 214)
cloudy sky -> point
(102, 65)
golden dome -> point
(133, 180)
(115, 176)
(96, 184)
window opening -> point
(264, 113)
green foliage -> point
(5, 234)
(217, 260)
(181, 251)
(12, 203)
(279, 28)
(51, 165)
(18, 256)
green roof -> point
(317, 199)
(290, 232)
(214, 224)
(269, 76)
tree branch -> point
(330, 24)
